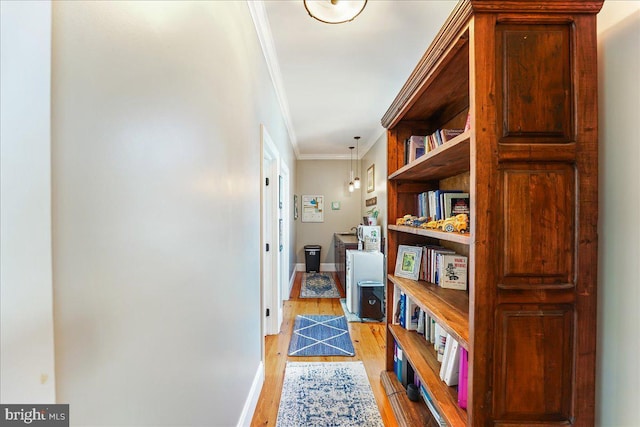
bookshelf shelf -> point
(449, 307)
(529, 163)
(464, 239)
(423, 359)
(449, 159)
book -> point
(440, 211)
(402, 320)
(427, 399)
(432, 333)
(456, 203)
(452, 369)
(448, 134)
(463, 380)
(396, 305)
(441, 342)
(434, 274)
(421, 318)
(415, 147)
(453, 272)
(411, 315)
(446, 357)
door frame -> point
(269, 260)
(284, 254)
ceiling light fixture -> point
(334, 11)
(351, 184)
(356, 180)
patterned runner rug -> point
(319, 285)
(320, 335)
(327, 394)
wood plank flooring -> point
(368, 342)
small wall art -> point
(371, 179)
(312, 208)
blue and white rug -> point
(320, 335)
(327, 394)
(319, 285)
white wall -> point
(156, 200)
(26, 325)
(618, 371)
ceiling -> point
(335, 82)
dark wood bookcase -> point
(525, 74)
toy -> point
(455, 223)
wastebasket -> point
(371, 295)
(312, 258)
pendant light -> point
(334, 11)
(356, 180)
(351, 184)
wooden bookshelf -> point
(524, 73)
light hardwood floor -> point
(368, 341)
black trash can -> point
(312, 258)
(371, 296)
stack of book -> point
(444, 267)
(441, 204)
(417, 145)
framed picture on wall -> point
(313, 208)
(295, 206)
(371, 179)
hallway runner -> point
(327, 394)
(319, 285)
(320, 335)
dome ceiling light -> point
(334, 11)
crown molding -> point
(263, 30)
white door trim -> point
(270, 288)
(285, 217)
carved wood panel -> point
(538, 225)
(533, 363)
(534, 83)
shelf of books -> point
(449, 307)
(442, 400)
(447, 159)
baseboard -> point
(291, 280)
(252, 399)
(325, 266)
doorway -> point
(274, 238)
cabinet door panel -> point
(534, 362)
(538, 208)
(534, 82)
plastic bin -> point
(371, 295)
(312, 258)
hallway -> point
(368, 341)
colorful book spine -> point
(463, 378)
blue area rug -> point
(327, 394)
(319, 285)
(320, 335)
